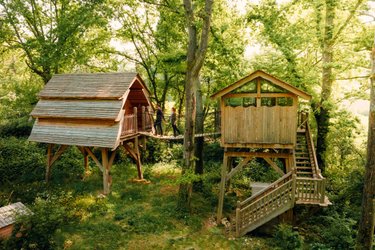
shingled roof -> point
(84, 109)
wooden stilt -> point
(105, 171)
(49, 159)
(224, 168)
(135, 154)
(85, 159)
(138, 160)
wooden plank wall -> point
(259, 124)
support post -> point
(49, 160)
(135, 119)
(105, 171)
(222, 188)
(138, 158)
(238, 219)
(143, 118)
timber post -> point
(105, 171)
(135, 121)
(138, 159)
(49, 162)
(222, 187)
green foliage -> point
(21, 161)
(37, 229)
(285, 238)
(338, 233)
(52, 42)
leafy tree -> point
(367, 223)
(196, 53)
(56, 35)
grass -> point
(141, 216)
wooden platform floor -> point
(179, 137)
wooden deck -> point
(304, 185)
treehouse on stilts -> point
(260, 119)
(101, 111)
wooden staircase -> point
(303, 185)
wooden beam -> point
(259, 154)
(106, 189)
(49, 157)
(224, 168)
(88, 150)
(59, 152)
(52, 158)
(273, 165)
(238, 167)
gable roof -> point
(266, 76)
(88, 86)
(85, 109)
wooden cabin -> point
(101, 110)
(259, 111)
(8, 218)
(260, 119)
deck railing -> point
(310, 190)
(250, 215)
(137, 122)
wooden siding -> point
(71, 134)
(268, 125)
(83, 109)
(88, 86)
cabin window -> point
(250, 87)
(285, 101)
(249, 102)
(268, 101)
(267, 87)
(233, 102)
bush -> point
(38, 229)
(21, 161)
(286, 238)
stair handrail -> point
(266, 190)
(301, 114)
(311, 141)
(264, 202)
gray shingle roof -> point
(7, 213)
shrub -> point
(21, 161)
(38, 228)
(286, 238)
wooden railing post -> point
(323, 188)
(143, 118)
(294, 189)
(135, 120)
(238, 217)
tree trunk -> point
(195, 57)
(323, 114)
(366, 226)
(199, 141)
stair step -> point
(303, 162)
(303, 158)
(302, 168)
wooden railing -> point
(267, 206)
(314, 161)
(310, 190)
(137, 122)
(128, 125)
(302, 119)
